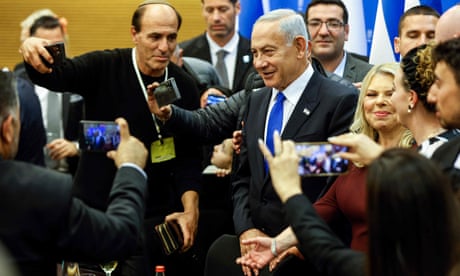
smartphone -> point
(320, 159)
(212, 99)
(99, 136)
(167, 92)
(57, 51)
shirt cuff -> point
(134, 166)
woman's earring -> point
(409, 108)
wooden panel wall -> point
(93, 24)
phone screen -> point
(99, 136)
(213, 99)
(57, 51)
(320, 159)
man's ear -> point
(346, 28)
(396, 43)
(301, 45)
(7, 133)
(133, 34)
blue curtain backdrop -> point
(367, 18)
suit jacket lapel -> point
(202, 49)
(305, 106)
(349, 71)
(242, 63)
(262, 99)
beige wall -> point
(93, 24)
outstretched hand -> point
(259, 256)
(361, 148)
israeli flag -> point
(373, 23)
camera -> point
(57, 51)
(213, 99)
(167, 92)
(320, 159)
(99, 136)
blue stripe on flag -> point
(392, 10)
(250, 11)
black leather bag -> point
(170, 236)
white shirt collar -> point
(296, 88)
(341, 67)
(231, 47)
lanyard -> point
(144, 90)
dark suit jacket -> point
(42, 223)
(445, 156)
(32, 138)
(325, 109)
(318, 243)
(355, 69)
(199, 47)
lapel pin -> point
(306, 111)
(246, 59)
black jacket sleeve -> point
(95, 235)
(212, 123)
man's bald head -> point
(448, 27)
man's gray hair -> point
(8, 95)
(292, 24)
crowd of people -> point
(387, 205)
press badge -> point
(162, 150)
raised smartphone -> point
(320, 159)
(99, 136)
(57, 51)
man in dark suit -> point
(64, 149)
(220, 17)
(315, 108)
(43, 223)
(327, 24)
(30, 148)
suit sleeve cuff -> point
(134, 166)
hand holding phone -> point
(167, 92)
(57, 51)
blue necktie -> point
(275, 120)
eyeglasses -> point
(331, 25)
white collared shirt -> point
(42, 94)
(230, 59)
(341, 67)
(292, 93)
